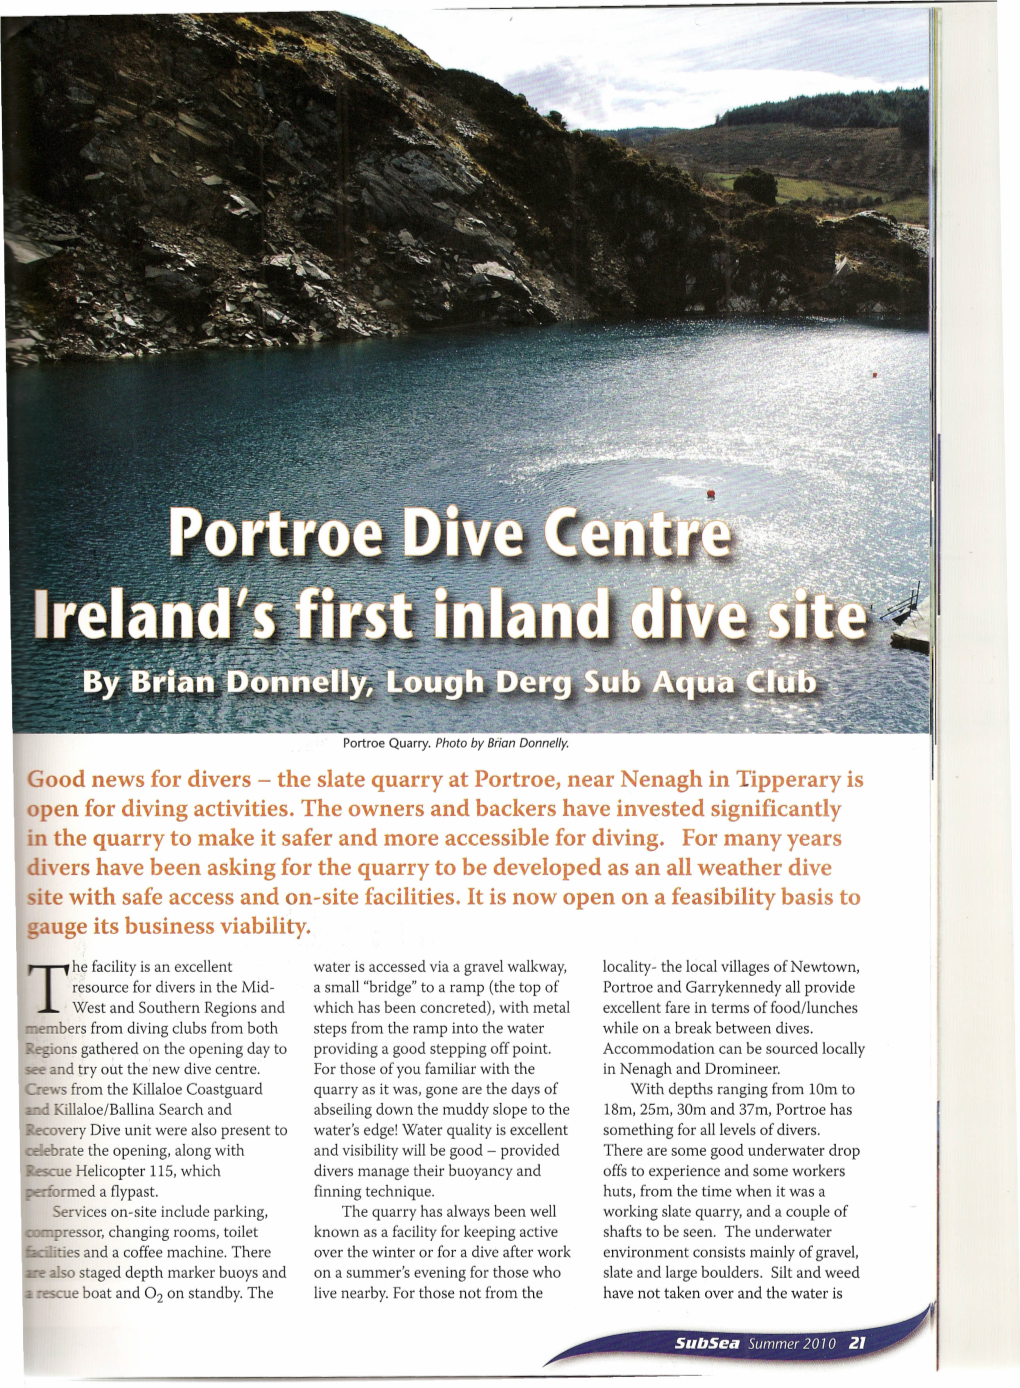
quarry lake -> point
(813, 434)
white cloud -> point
(610, 68)
(609, 99)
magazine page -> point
(471, 484)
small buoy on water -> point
(874, 374)
(711, 494)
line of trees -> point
(905, 107)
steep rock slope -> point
(229, 180)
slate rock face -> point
(263, 180)
(176, 290)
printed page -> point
(471, 487)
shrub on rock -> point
(757, 184)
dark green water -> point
(819, 466)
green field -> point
(911, 209)
(907, 210)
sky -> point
(609, 69)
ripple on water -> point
(820, 467)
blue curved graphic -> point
(792, 1347)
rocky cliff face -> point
(250, 181)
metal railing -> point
(900, 611)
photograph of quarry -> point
(179, 181)
(499, 260)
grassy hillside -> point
(874, 163)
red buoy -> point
(874, 374)
(711, 494)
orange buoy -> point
(711, 494)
